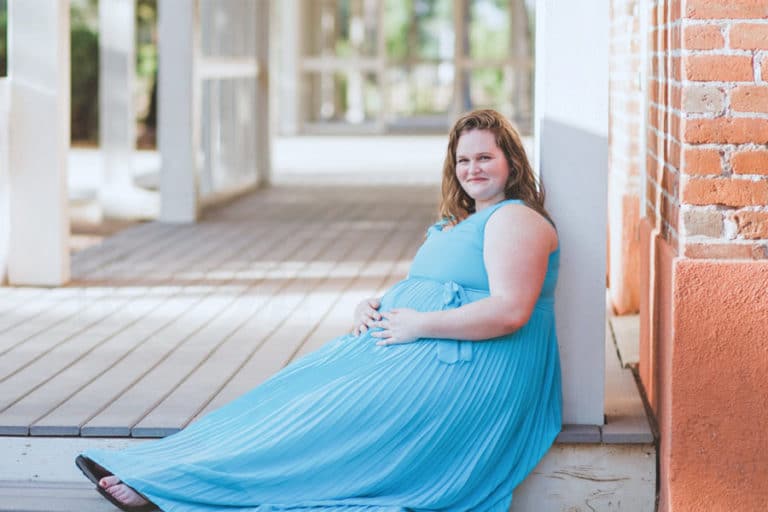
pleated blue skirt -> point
(434, 425)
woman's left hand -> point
(399, 325)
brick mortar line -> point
(695, 116)
(710, 240)
(712, 52)
(665, 135)
(711, 21)
(664, 193)
(728, 151)
(677, 23)
(746, 178)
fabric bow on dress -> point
(452, 351)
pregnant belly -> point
(424, 294)
(431, 295)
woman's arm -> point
(517, 245)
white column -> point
(572, 137)
(263, 138)
(289, 12)
(38, 68)
(5, 212)
(178, 110)
(117, 124)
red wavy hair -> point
(456, 205)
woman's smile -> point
(481, 167)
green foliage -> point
(489, 29)
(85, 83)
(146, 46)
(3, 38)
(146, 67)
(397, 16)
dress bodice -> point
(457, 254)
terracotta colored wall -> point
(704, 362)
(718, 456)
(704, 253)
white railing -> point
(228, 73)
(213, 127)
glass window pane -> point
(421, 89)
(341, 28)
(507, 90)
(227, 135)
(3, 38)
(489, 29)
(418, 29)
(227, 28)
(352, 97)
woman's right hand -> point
(366, 313)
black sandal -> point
(90, 469)
(95, 473)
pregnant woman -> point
(444, 397)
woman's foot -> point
(122, 492)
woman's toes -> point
(126, 495)
(109, 481)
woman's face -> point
(481, 167)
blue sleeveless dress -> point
(437, 424)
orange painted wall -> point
(704, 364)
(657, 341)
(719, 460)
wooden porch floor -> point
(163, 323)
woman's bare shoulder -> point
(520, 220)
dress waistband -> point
(454, 295)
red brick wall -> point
(704, 251)
(664, 149)
(707, 186)
(625, 122)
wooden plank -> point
(123, 366)
(281, 345)
(305, 293)
(12, 297)
(19, 356)
(157, 258)
(227, 266)
(120, 246)
(31, 336)
(366, 283)
(28, 310)
(110, 420)
(44, 355)
(56, 388)
(139, 259)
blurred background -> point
(361, 91)
(374, 66)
